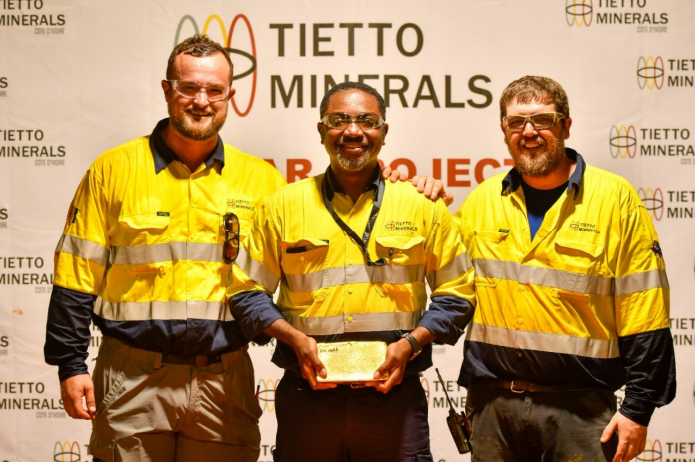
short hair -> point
(534, 88)
(352, 86)
(198, 46)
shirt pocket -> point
(401, 250)
(146, 246)
(488, 252)
(579, 263)
(303, 256)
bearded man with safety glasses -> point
(573, 300)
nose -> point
(529, 128)
(201, 98)
(353, 130)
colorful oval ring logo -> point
(266, 394)
(623, 142)
(652, 452)
(579, 12)
(227, 41)
(653, 200)
(650, 72)
(67, 452)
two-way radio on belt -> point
(458, 424)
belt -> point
(198, 361)
(519, 386)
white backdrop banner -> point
(78, 77)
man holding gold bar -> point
(351, 253)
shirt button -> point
(349, 291)
(520, 354)
(348, 262)
(520, 320)
(522, 288)
(349, 318)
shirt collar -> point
(513, 179)
(163, 154)
(334, 186)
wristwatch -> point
(417, 349)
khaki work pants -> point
(153, 412)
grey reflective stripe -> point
(357, 322)
(166, 311)
(641, 281)
(450, 271)
(541, 341)
(256, 271)
(354, 274)
(143, 254)
(548, 277)
(83, 248)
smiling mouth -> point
(532, 144)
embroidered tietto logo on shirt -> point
(657, 249)
(578, 226)
(400, 226)
(237, 203)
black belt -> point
(198, 361)
(520, 386)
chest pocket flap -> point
(572, 246)
(403, 250)
(144, 221)
(304, 255)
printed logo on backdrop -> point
(668, 204)
(652, 452)
(457, 395)
(31, 143)
(265, 392)
(683, 331)
(32, 397)
(628, 142)
(25, 271)
(655, 72)
(31, 14)
(225, 38)
(4, 345)
(616, 14)
(67, 452)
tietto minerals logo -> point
(677, 204)
(67, 452)
(265, 392)
(653, 452)
(657, 72)
(579, 12)
(30, 13)
(628, 142)
(653, 200)
(226, 40)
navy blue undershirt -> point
(538, 202)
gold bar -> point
(352, 362)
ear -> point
(166, 87)
(505, 134)
(319, 127)
(383, 136)
(232, 92)
(568, 124)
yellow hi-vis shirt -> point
(326, 286)
(554, 309)
(149, 244)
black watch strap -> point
(417, 349)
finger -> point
(324, 385)
(414, 180)
(67, 405)
(386, 172)
(318, 365)
(384, 368)
(429, 188)
(78, 407)
(448, 199)
(91, 402)
(421, 182)
(608, 431)
(620, 453)
(395, 176)
(403, 177)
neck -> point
(191, 152)
(353, 183)
(557, 177)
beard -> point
(181, 121)
(539, 164)
(353, 165)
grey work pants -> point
(539, 426)
(153, 412)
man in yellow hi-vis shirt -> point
(146, 254)
(351, 254)
(573, 300)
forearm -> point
(284, 332)
(68, 331)
(254, 311)
(447, 318)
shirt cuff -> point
(637, 411)
(255, 312)
(447, 317)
